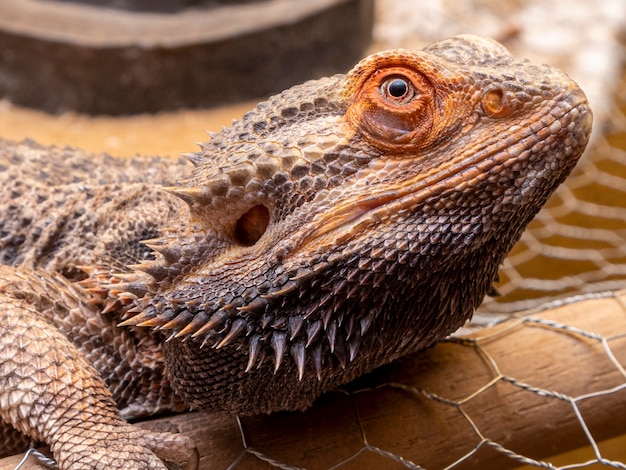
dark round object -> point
(60, 55)
(398, 88)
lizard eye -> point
(252, 225)
(397, 89)
(393, 107)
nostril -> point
(495, 104)
(252, 225)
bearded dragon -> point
(338, 226)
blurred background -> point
(134, 77)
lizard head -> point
(352, 219)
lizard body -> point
(340, 225)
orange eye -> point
(394, 108)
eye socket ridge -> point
(394, 108)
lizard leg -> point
(50, 392)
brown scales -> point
(338, 226)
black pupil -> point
(397, 88)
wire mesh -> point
(543, 382)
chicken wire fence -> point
(483, 404)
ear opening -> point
(252, 225)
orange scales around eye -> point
(392, 106)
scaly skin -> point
(338, 226)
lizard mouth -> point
(357, 212)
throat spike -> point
(340, 352)
(239, 326)
(216, 322)
(180, 321)
(313, 332)
(279, 344)
(316, 355)
(331, 335)
(294, 325)
(156, 270)
(198, 320)
(353, 346)
(253, 353)
(298, 352)
(111, 306)
(135, 320)
(365, 323)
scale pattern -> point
(340, 225)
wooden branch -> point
(523, 385)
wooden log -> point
(537, 385)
